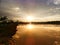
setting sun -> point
(29, 18)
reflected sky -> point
(42, 10)
(39, 34)
(36, 29)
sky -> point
(40, 10)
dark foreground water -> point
(38, 34)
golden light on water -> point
(34, 29)
(16, 36)
(30, 26)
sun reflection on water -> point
(29, 26)
(35, 29)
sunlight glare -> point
(29, 18)
(30, 26)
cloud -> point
(24, 7)
(49, 18)
(56, 2)
(53, 2)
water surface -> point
(38, 34)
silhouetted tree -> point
(7, 29)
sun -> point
(29, 18)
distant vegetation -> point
(49, 22)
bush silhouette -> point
(7, 27)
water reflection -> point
(29, 26)
(38, 34)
